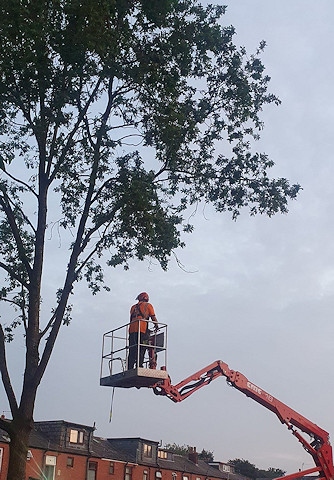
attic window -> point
(76, 436)
(147, 450)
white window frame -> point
(77, 436)
(147, 450)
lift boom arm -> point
(319, 447)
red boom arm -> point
(319, 447)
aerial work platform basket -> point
(115, 358)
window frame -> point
(147, 450)
(76, 437)
(128, 472)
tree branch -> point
(21, 182)
(14, 275)
(81, 116)
(4, 202)
(5, 375)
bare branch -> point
(49, 325)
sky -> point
(256, 293)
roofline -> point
(66, 423)
(130, 438)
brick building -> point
(60, 450)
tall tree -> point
(112, 112)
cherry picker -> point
(115, 352)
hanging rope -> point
(111, 404)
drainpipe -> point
(89, 450)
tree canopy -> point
(244, 467)
(183, 450)
(116, 116)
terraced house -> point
(61, 450)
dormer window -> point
(165, 455)
(148, 451)
(76, 436)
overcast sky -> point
(256, 293)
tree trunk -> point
(18, 448)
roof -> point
(102, 448)
(50, 436)
(183, 464)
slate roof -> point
(102, 448)
(117, 449)
(183, 464)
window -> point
(111, 468)
(1, 455)
(70, 461)
(147, 450)
(185, 477)
(145, 475)
(128, 473)
(76, 436)
(92, 468)
(158, 475)
(226, 468)
(50, 467)
(165, 455)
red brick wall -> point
(78, 471)
(5, 458)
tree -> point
(244, 467)
(112, 112)
(206, 456)
(183, 450)
(271, 472)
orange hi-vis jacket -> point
(139, 314)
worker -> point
(139, 332)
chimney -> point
(193, 455)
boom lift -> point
(318, 446)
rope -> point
(111, 404)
